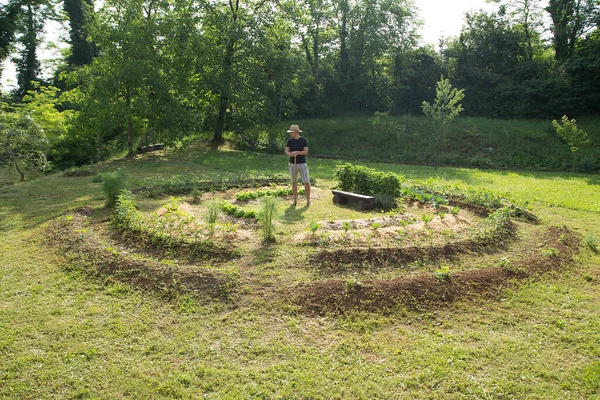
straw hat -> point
(294, 128)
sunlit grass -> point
(67, 335)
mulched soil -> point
(426, 290)
(83, 247)
(85, 243)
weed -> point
(346, 225)
(375, 226)
(353, 284)
(551, 252)
(426, 218)
(443, 273)
(504, 262)
(591, 242)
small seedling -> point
(552, 252)
(314, 227)
(346, 226)
(426, 218)
(505, 262)
(455, 211)
(353, 284)
(443, 274)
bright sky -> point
(446, 17)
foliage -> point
(592, 242)
(568, 131)
(250, 195)
(22, 141)
(443, 274)
(214, 208)
(367, 181)
(186, 183)
(236, 211)
(267, 216)
(112, 184)
(446, 107)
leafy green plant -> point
(573, 136)
(443, 273)
(591, 242)
(551, 252)
(314, 227)
(446, 107)
(505, 262)
(426, 218)
(455, 211)
(232, 209)
(112, 184)
(368, 181)
(346, 226)
(353, 284)
(250, 195)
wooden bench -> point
(362, 202)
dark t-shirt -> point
(297, 145)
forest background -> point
(138, 72)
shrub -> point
(385, 201)
(368, 181)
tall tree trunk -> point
(130, 152)
(225, 92)
(19, 170)
(80, 14)
(28, 65)
(224, 96)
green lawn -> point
(65, 335)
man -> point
(296, 149)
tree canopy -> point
(141, 71)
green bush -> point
(368, 181)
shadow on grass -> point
(294, 214)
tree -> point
(124, 89)
(527, 16)
(570, 20)
(446, 107)
(80, 13)
(33, 15)
(573, 136)
(8, 27)
(22, 141)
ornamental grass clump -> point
(112, 184)
(266, 217)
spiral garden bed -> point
(375, 263)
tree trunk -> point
(225, 91)
(19, 171)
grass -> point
(470, 142)
(66, 335)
